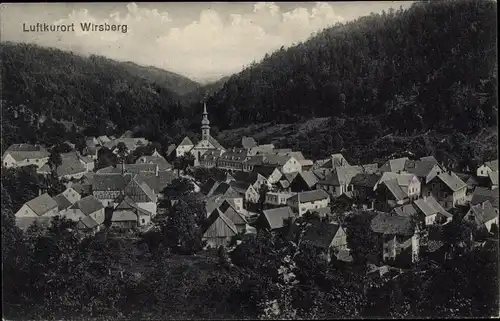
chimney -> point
(156, 170)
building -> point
(433, 212)
(483, 215)
(448, 189)
(88, 206)
(236, 216)
(304, 181)
(278, 198)
(493, 180)
(128, 214)
(207, 142)
(328, 238)
(70, 168)
(487, 167)
(18, 155)
(424, 170)
(272, 174)
(399, 239)
(482, 194)
(218, 229)
(246, 190)
(394, 190)
(248, 142)
(233, 159)
(275, 219)
(253, 178)
(41, 210)
(309, 200)
(158, 160)
(209, 158)
(394, 165)
(339, 180)
(107, 187)
(185, 146)
(363, 187)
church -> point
(207, 142)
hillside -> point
(433, 65)
(44, 88)
(175, 82)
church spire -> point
(205, 124)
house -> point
(272, 174)
(18, 155)
(88, 162)
(482, 194)
(430, 159)
(304, 181)
(70, 168)
(493, 179)
(102, 140)
(42, 205)
(286, 164)
(339, 180)
(433, 212)
(72, 195)
(131, 143)
(309, 200)
(157, 181)
(363, 187)
(210, 157)
(107, 187)
(239, 220)
(130, 168)
(160, 161)
(333, 162)
(253, 178)
(305, 164)
(233, 159)
(484, 169)
(88, 206)
(470, 180)
(223, 191)
(394, 165)
(246, 190)
(248, 142)
(91, 141)
(447, 188)
(278, 198)
(424, 170)
(185, 146)
(394, 189)
(142, 195)
(171, 151)
(398, 237)
(218, 229)
(262, 149)
(87, 225)
(329, 238)
(62, 202)
(122, 214)
(406, 210)
(275, 219)
(483, 214)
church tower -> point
(205, 124)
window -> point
(481, 172)
(143, 221)
(445, 194)
(36, 160)
(5, 163)
(428, 193)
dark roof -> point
(321, 234)
(405, 210)
(431, 159)
(110, 182)
(214, 216)
(240, 187)
(157, 160)
(248, 177)
(235, 154)
(42, 204)
(394, 165)
(395, 189)
(24, 223)
(62, 202)
(276, 217)
(482, 194)
(157, 182)
(365, 180)
(139, 191)
(484, 212)
(209, 186)
(392, 224)
(265, 171)
(86, 222)
(88, 205)
(129, 168)
(311, 196)
(308, 177)
(420, 168)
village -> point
(265, 188)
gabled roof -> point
(276, 217)
(216, 214)
(369, 168)
(156, 160)
(227, 209)
(310, 196)
(88, 205)
(215, 143)
(482, 194)
(265, 171)
(129, 168)
(126, 203)
(430, 159)
(420, 168)
(26, 151)
(186, 142)
(394, 165)
(110, 182)
(493, 165)
(170, 149)
(365, 180)
(429, 206)
(42, 204)
(403, 179)
(308, 177)
(341, 175)
(240, 187)
(209, 186)
(290, 176)
(321, 234)
(235, 154)
(139, 191)
(70, 165)
(86, 222)
(484, 212)
(389, 224)
(395, 189)
(24, 223)
(125, 215)
(452, 181)
(493, 176)
(405, 210)
(248, 177)
(157, 182)
(62, 202)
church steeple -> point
(205, 124)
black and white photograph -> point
(249, 160)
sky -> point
(204, 41)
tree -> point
(178, 188)
(80, 144)
(182, 229)
(262, 195)
(55, 160)
(122, 153)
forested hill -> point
(175, 82)
(432, 66)
(43, 88)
